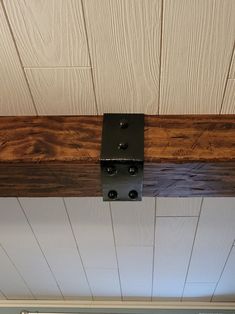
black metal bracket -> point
(122, 157)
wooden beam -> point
(59, 156)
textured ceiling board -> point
(226, 287)
(171, 207)
(232, 69)
(67, 91)
(172, 255)
(134, 222)
(22, 247)
(229, 98)
(133, 260)
(215, 234)
(51, 226)
(15, 97)
(124, 40)
(197, 44)
(198, 291)
(49, 33)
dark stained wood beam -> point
(59, 156)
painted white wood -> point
(215, 236)
(18, 240)
(11, 283)
(135, 266)
(197, 43)
(178, 206)
(229, 98)
(15, 97)
(124, 41)
(173, 245)
(104, 283)
(134, 222)
(199, 291)
(225, 290)
(91, 222)
(50, 223)
(62, 91)
(49, 33)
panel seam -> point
(227, 79)
(160, 58)
(19, 57)
(89, 56)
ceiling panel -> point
(134, 223)
(124, 40)
(12, 284)
(62, 91)
(197, 44)
(201, 291)
(173, 245)
(74, 248)
(49, 33)
(229, 98)
(133, 260)
(225, 290)
(15, 98)
(51, 226)
(178, 207)
(215, 234)
(18, 240)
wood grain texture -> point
(124, 40)
(15, 98)
(173, 207)
(216, 234)
(49, 33)
(50, 224)
(197, 44)
(59, 156)
(172, 254)
(62, 91)
(229, 98)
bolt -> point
(112, 194)
(111, 170)
(123, 123)
(133, 194)
(122, 146)
(133, 170)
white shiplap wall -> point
(171, 249)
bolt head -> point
(122, 146)
(112, 195)
(111, 170)
(133, 194)
(123, 123)
(133, 170)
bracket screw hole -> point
(112, 195)
(122, 146)
(133, 194)
(133, 170)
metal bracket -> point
(122, 157)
